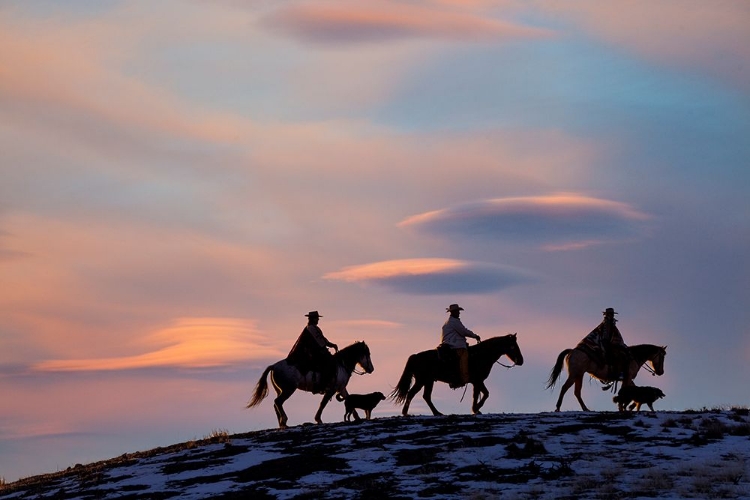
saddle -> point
(597, 354)
(592, 350)
(448, 358)
(446, 354)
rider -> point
(616, 354)
(454, 336)
(310, 352)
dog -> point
(366, 402)
(638, 396)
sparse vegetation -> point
(218, 436)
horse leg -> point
(278, 406)
(577, 392)
(427, 396)
(410, 395)
(563, 390)
(481, 393)
(326, 398)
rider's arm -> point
(460, 328)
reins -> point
(357, 372)
(648, 369)
(346, 361)
(505, 366)
(646, 366)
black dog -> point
(364, 402)
(638, 395)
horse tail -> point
(557, 369)
(261, 389)
(398, 395)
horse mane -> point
(355, 348)
(645, 351)
(491, 347)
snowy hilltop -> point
(691, 454)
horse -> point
(579, 362)
(426, 368)
(287, 378)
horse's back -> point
(284, 373)
(581, 360)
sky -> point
(182, 181)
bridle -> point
(648, 368)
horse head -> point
(364, 360)
(657, 360)
(514, 352)
(357, 354)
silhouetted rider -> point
(454, 336)
(310, 353)
(616, 354)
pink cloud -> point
(391, 268)
(381, 20)
(433, 276)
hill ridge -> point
(542, 455)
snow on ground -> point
(703, 454)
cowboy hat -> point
(453, 307)
(609, 310)
(313, 314)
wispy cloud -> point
(432, 276)
(189, 343)
(366, 324)
(382, 20)
(711, 36)
(559, 221)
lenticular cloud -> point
(560, 221)
(433, 276)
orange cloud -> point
(190, 343)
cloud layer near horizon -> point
(189, 343)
